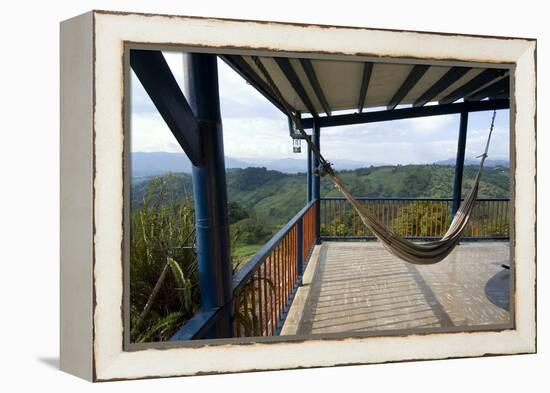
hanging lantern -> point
(296, 145)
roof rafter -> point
(241, 66)
(314, 81)
(414, 76)
(367, 72)
(294, 80)
(443, 83)
(500, 86)
(474, 84)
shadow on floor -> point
(497, 290)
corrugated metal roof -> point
(340, 82)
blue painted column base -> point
(210, 195)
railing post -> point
(459, 167)
(210, 194)
(300, 253)
(316, 185)
(309, 174)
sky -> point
(255, 131)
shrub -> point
(164, 290)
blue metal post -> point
(459, 167)
(309, 174)
(316, 182)
(300, 251)
(210, 194)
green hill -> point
(433, 181)
(275, 196)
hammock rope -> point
(425, 253)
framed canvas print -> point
(246, 195)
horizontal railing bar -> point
(243, 274)
(421, 238)
(411, 199)
(197, 326)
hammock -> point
(416, 253)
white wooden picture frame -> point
(92, 189)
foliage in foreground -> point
(164, 289)
(161, 239)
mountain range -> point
(145, 164)
(467, 161)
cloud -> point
(428, 124)
(258, 138)
(175, 62)
(403, 152)
(150, 133)
(499, 147)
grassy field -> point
(241, 253)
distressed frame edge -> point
(525, 188)
(526, 340)
(76, 38)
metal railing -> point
(264, 288)
(415, 218)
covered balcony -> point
(323, 272)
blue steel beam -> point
(300, 250)
(406, 113)
(314, 81)
(365, 80)
(210, 194)
(502, 86)
(412, 79)
(198, 326)
(309, 175)
(154, 74)
(472, 85)
(288, 71)
(442, 84)
(316, 182)
(459, 167)
(241, 67)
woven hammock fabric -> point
(416, 253)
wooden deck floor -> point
(360, 287)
